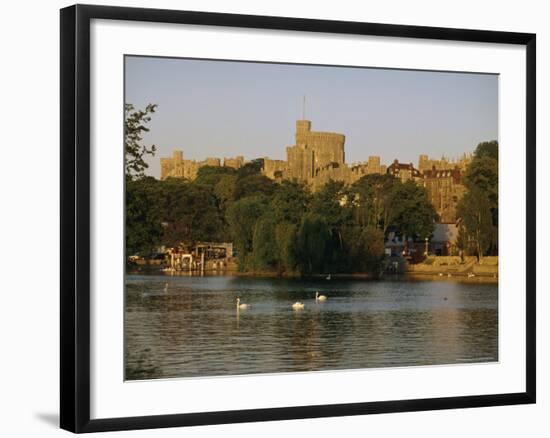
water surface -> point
(184, 326)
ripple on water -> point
(192, 327)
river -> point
(189, 326)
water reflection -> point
(192, 326)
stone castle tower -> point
(312, 152)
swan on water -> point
(298, 305)
(320, 297)
(242, 306)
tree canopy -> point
(283, 227)
(478, 209)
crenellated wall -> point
(318, 157)
(177, 167)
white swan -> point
(165, 287)
(471, 274)
(298, 306)
(320, 297)
(328, 277)
(242, 306)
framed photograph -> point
(268, 218)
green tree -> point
(265, 251)
(482, 173)
(313, 238)
(254, 184)
(289, 202)
(143, 216)
(412, 213)
(286, 236)
(225, 191)
(374, 200)
(487, 149)
(242, 216)
(190, 213)
(134, 150)
(369, 250)
(253, 167)
(474, 210)
(211, 175)
(332, 202)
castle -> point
(177, 167)
(318, 157)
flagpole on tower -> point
(304, 108)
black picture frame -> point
(75, 217)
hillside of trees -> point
(284, 228)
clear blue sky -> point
(223, 108)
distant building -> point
(425, 163)
(444, 240)
(404, 172)
(445, 189)
(177, 167)
(235, 163)
(318, 157)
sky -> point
(226, 108)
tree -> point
(332, 202)
(369, 250)
(312, 241)
(134, 150)
(487, 149)
(242, 216)
(143, 216)
(211, 175)
(412, 214)
(482, 175)
(253, 167)
(265, 254)
(190, 213)
(225, 191)
(254, 184)
(374, 200)
(289, 202)
(285, 236)
(474, 210)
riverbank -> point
(433, 268)
(270, 274)
(467, 268)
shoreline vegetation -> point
(285, 229)
(438, 268)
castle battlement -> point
(319, 157)
(178, 167)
